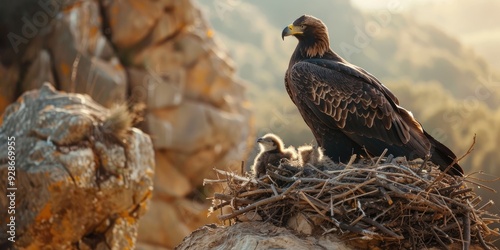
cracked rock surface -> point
(79, 186)
(258, 236)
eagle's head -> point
(270, 142)
(312, 34)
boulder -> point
(78, 183)
(130, 21)
(83, 59)
(257, 235)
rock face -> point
(257, 235)
(79, 185)
(159, 52)
(263, 236)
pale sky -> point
(474, 23)
(405, 4)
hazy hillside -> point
(480, 29)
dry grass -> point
(391, 201)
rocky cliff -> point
(158, 52)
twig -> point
(357, 196)
(436, 236)
(322, 189)
(447, 201)
(443, 233)
(274, 189)
(355, 221)
(327, 231)
(386, 196)
(389, 158)
(450, 188)
(235, 176)
(380, 157)
(208, 181)
(317, 170)
(475, 201)
(470, 177)
(225, 197)
(303, 179)
(481, 185)
(259, 203)
(481, 240)
(280, 177)
(455, 161)
(354, 229)
(459, 192)
(471, 148)
(429, 206)
(221, 205)
(486, 205)
(351, 160)
(466, 232)
(242, 168)
(257, 191)
(292, 187)
(382, 228)
(427, 158)
(304, 197)
(382, 183)
(339, 196)
(384, 212)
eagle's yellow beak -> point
(291, 30)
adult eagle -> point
(348, 110)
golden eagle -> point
(348, 110)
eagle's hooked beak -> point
(260, 140)
(291, 30)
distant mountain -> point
(474, 22)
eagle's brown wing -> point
(345, 98)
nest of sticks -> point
(397, 203)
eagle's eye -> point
(303, 26)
